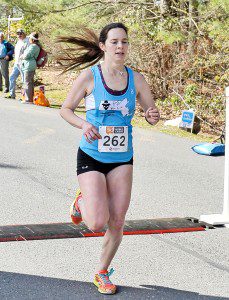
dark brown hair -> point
(86, 51)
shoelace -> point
(105, 277)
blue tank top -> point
(111, 114)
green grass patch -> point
(56, 97)
(141, 122)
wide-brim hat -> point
(31, 36)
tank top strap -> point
(94, 70)
(95, 73)
(131, 87)
(131, 78)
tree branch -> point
(183, 11)
(92, 2)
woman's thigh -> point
(119, 185)
(94, 192)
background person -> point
(105, 156)
(29, 65)
(21, 45)
(6, 55)
(0, 81)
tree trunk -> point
(192, 13)
(164, 6)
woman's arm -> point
(81, 87)
(145, 99)
(28, 53)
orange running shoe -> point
(103, 283)
(75, 210)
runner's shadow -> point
(7, 166)
(161, 292)
(14, 286)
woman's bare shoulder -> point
(84, 79)
(86, 75)
(139, 80)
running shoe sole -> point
(107, 292)
(75, 220)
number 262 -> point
(114, 141)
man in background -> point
(21, 45)
(6, 54)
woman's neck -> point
(113, 68)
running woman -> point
(105, 154)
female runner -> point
(105, 155)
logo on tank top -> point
(106, 104)
(115, 105)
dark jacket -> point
(9, 48)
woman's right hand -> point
(90, 132)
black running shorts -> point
(86, 163)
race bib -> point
(114, 139)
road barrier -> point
(223, 219)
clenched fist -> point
(90, 132)
(152, 115)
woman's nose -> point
(119, 45)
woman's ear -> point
(102, 47)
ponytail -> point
(86, 51)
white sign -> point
(15, 19)
(187, 119)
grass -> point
(140, 122)
(56, 97)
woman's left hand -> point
(152, 115)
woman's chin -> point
(119, 59)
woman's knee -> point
(97, 224)
(116, 224)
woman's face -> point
(116, 45)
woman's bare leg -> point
(105, 201)
(94, 206)
(119, 184)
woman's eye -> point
(117, 43)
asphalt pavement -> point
(38, 182)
